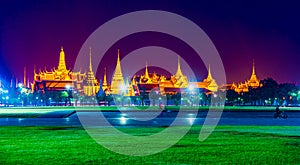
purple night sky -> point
(32, 32)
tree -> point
(269, 91)
(231, 97)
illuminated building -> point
(59, 78)
(161, 85)
(209, 83)
(117, 80)
(179, 80)
(90, 84)
(253, 82)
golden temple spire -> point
(253, 77)
(209, 77)
(118, 60)
(24, 80)
(146, 71)
(91, 67)
(253, 67)
(104, 78)
(117, 80)
(179, 72)
(62, 62)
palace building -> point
(153, 81)
(253, 82)
(61, 79)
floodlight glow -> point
(191, 87)
(68, 87)
(191, 120)
(20, 85)
(123, 120)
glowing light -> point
(191, 88)
(191, 120)
(123, 120)
(7, 97)
(20, 85)
(68, 87)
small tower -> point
(253, 81)
(181, 80)
(210, 82)
(104, 84)
(117, 80)
(91, 85)
(62, 62)
(178, 72)
(24, 79)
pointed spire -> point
(178, 72)
(146, 71)
(62, 62)
(118, 60)
(24, 80)
(209, 77)
(104, 77)
(91, 67)
(253, 67)
(117, 79)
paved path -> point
(154, 118)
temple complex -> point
(253, 82)
(62, 79)
(209, 83)
(58, 78)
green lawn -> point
(227, 144)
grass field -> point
(227, 144)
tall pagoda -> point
(117, 79)
(90, 85)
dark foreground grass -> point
(227, 144)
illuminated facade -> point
(117, 80)
(58, 78)
(159, 83)
(90, 85)
(253, 82)
(209, 83)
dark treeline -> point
(269, 93)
